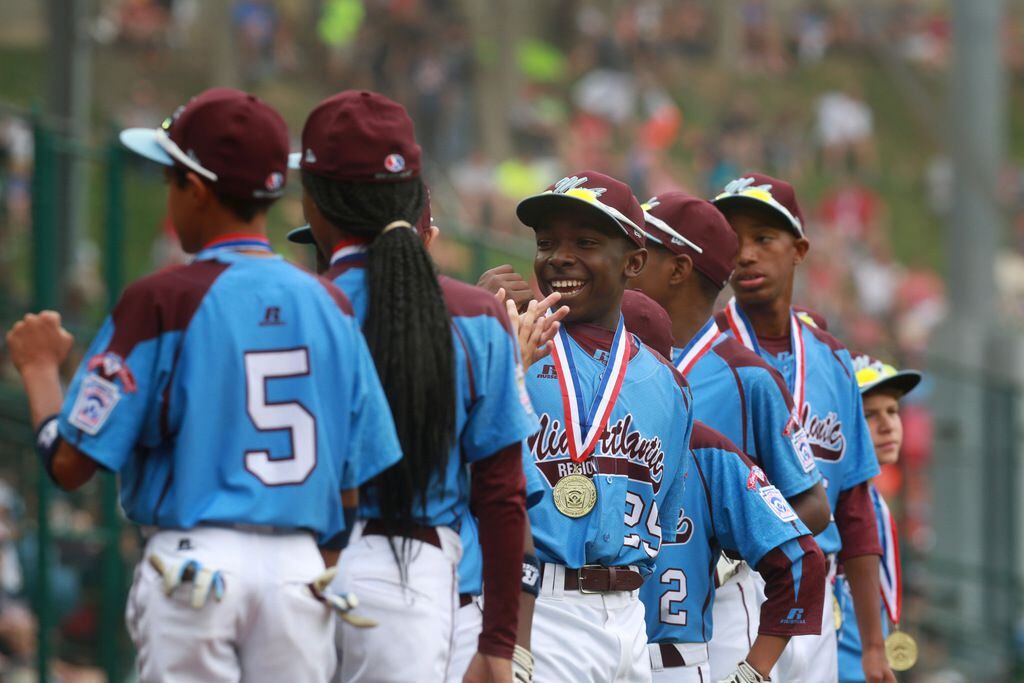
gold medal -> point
(900, 650)
(837, 613)
(575, 495)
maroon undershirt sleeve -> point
(794, 591)
(498, 501)
(855, 519)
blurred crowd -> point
(645, 90)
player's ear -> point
(197, 189)
(636, 259)
(801, 247)
(682, 266)
(430, 235)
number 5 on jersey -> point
(261, 366)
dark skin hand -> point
(862, 575)
(505, 277)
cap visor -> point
(295, 161)
(532, 210)
(738, 200)
(143, 142)
(903, 382)
(301, 235)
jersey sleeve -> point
(119, 385)
(501, 413)
(780, 446)
(750, 516)
(862, 463)
(671, 505)
(794, 575)
(374, 442)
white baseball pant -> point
(592, 637)
(735, 616)
(469, 621)
(813, 659)
(267, 627)
(416, 621)
(696, 668)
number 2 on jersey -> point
(667, 614)
(261, 366)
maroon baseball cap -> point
(591, 194)
(649, 321)
(685, 224)
(230, 138)
(358, 135)
(764, 190)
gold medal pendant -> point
(575, 495)
(900, 650)
(837, 613)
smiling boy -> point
(615, 424)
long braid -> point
(408, 331)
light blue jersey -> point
(819, 373)
(234, 390)
(492, 410)
(635, 465)
(739, 395)
(728, 505)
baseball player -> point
(448, 364)
(615, 424)
(235, 398)
(881, 387)
(728, 504)
(692, 249)
(765, 215)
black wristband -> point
(47, 441)
(531, 575)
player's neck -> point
(769, 319)
(689, 311)
(230, 227)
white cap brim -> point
(143, 142)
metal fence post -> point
(44, 295)
(113, 583)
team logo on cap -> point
(394, 163)
(573, 186)
(310, 158)
(274, 181)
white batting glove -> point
(522, 665)
(341, 603)
(744, 673)
(205, 582)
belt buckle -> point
(579, 574)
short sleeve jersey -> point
(741, 396)
(635, 466)
(728, 505)
(831, 417)
(492, 409)
(236, 389)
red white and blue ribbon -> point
(890, 581)
(239, 241)
(698, 346)
(348, 251)
(744, 332)
(584, 429)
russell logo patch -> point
(96, 400)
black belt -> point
(416, 532)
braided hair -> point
(408, 331)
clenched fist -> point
(38, 341)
